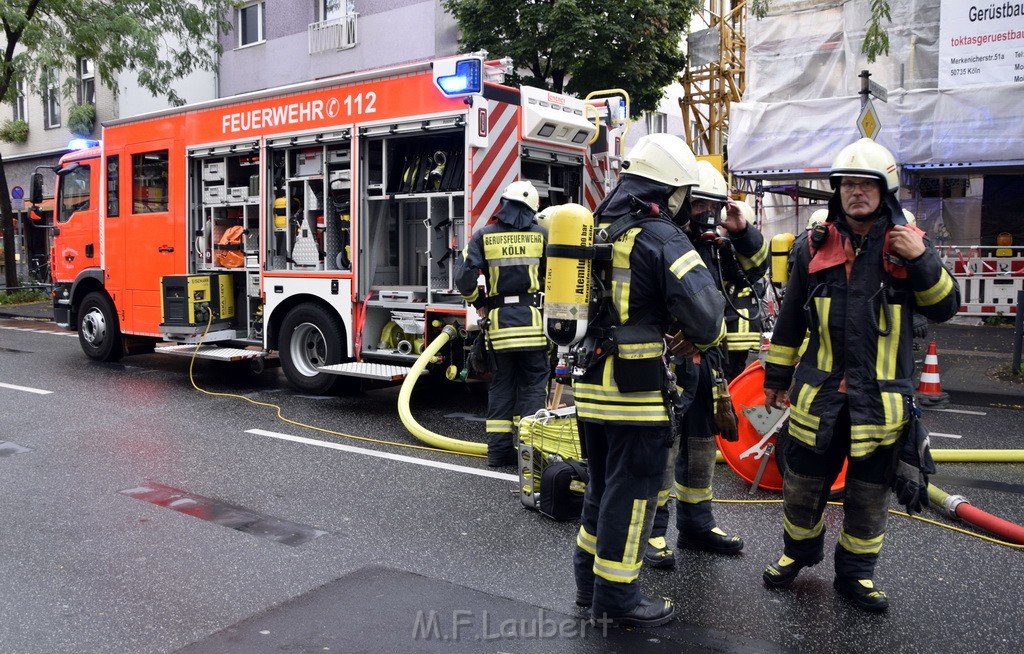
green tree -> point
(117, 35)
(578, 46)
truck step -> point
(378, 371)
(212, 352)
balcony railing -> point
(333, 35)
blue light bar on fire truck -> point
(82, 144)
(459, 76)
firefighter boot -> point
(648, 613)
(713, 540)
(658, 554)
(863, 593)
(501, 457)
(782, 573)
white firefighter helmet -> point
(746, 211)
(817, 217)
(544, 216)
(865, 158)
(522, 191)
(711, 185)
(663, 158)
(911, 219)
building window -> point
(657, 122)
(149, 182)
(332, 10)
(19, 102)
(51, 101)
(250, 24)
(86, 82)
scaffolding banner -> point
(981, 43)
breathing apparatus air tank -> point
(567, 283)
(781, 245)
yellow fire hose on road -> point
(415, 428)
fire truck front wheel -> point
(99, 331)
(311, 337)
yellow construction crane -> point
(715, 75)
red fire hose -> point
(956, 506)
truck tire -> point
(99, 331)
(311, 337)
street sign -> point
(867, 121)
(877, 90)
(17, 193)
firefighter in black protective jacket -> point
(737, 255)
(654, 282)
(855, 285)
(510, 252)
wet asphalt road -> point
(91, 567)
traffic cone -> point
(929, 390)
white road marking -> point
(37, 391)
(941, 435)
(387, 455)
(963, 411)
(40, 331)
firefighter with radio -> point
(509, 251)
(652, 286)
(736, 253)
(855, 284)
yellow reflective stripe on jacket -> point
(685, 264)
(756, 259)
(622, 248)
(937, 292)
(887, 352)
(693, 495)
(856, 545)
(782, 355)
(471, 298)
(746, 341)
(628, 569)
(865, 439)
(633, 351)
(823, 305)
(801, 533)
(586, 541)
(604, 402)
(718, 339)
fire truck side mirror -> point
(36, 189)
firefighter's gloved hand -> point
(920, 326)
(725, 415)
(914, 464)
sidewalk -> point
(35, 310)
(975, 361)
(970, 355)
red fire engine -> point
(320, 221)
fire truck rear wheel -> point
(311, 337)
(99, 331)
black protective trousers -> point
(519, 387)
(807, 485)
(626, 464)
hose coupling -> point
(951, 503)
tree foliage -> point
(159, 40)
(578, 46)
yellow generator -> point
(191, 302)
